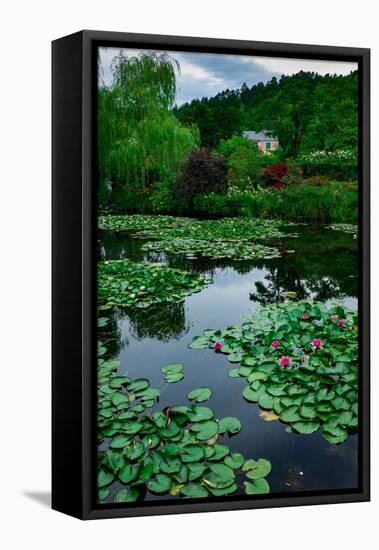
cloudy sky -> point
(204, 75)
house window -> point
(268, 145)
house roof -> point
(258, 136)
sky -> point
(205, 75)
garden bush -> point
(202, 172)
(294, 175)
(245, 161)
(339, 165)
(274, 174)
(336, 201)
(317, 181)
(333, 202)
(216, 205)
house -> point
(265, 142)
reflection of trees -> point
(322, 266)
(162, 322)
(114, 245)
(110, 335)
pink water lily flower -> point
(341, 323)
(316, 343)
(217, 346)
(275, 343)
(334, 318)
(284, 361)
(304, 317)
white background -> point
(27, 29)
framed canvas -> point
(210, 274)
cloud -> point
(291, 66)
(205, 74)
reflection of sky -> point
(205, 75)
(221, 304)
(292, 455)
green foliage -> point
(200, 394)
(301, 361)
(233, 238)
(126, 283)
(245, 161)
(193, 248)
(140, 142)
(214, 205)
(336, 201)
(173, 372)
(306, 111)
(340, 164)
(174, 451)
(229, 229)
(139, 222)
(219, 117)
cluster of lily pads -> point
(234, 238)
(192, 248)
(225, 229)
(127, 283)
(174, 451)
(300, 361)
(344, 227)
(139, 222)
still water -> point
(322, 265)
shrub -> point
(161, 199)
(339, 165)
(219, 206)
(333, 202)
(275, 173)
(317, 181)
(294, 175)
(202, 172)
(246, 161)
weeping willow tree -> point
(140, 142)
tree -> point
(203, 172)
(306, 111)
(140, 142)
(245, 161)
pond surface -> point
(322, 265)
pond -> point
(321, 265)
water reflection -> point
(162, 322)
(323, 266)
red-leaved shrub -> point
(274, 175)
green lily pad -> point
(128, 473)
(256, 469)
(195, 471)
(161, 483)
(192, 453)
(229, 424)
(194, 490)
(198, 413)
(306, 427)
(205, 430)
(200, 394)
(256, 487)
(104, 477)
(234, 461)
(218, 476)
(130, 494)
(199, 342)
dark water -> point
(323, 266)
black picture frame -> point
(74, 82)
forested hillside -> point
(306, 111)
